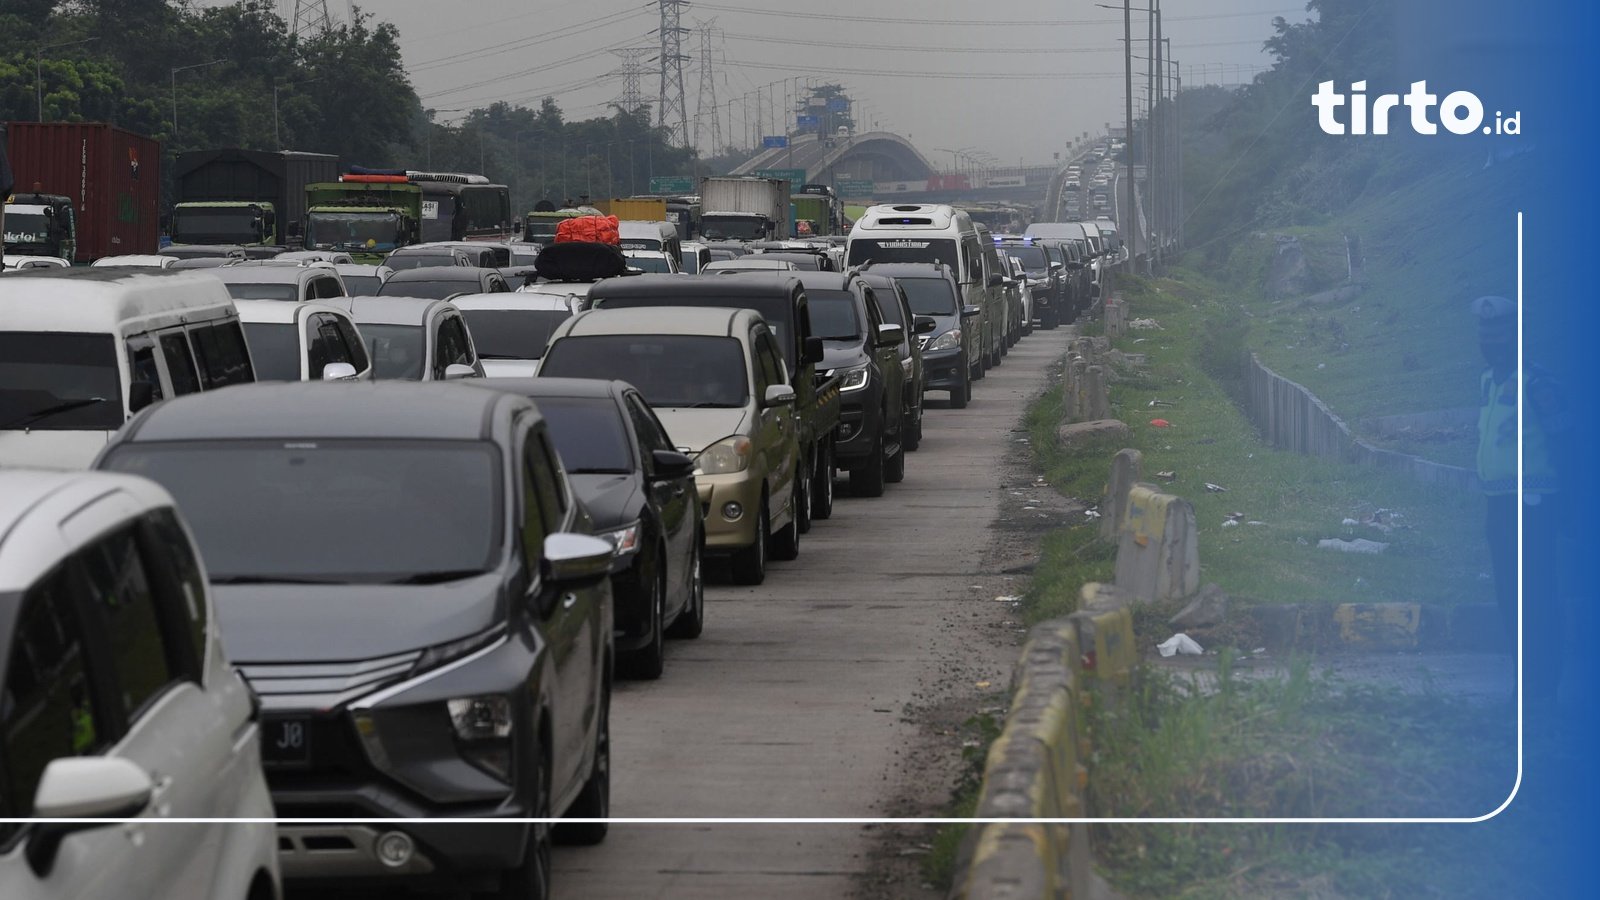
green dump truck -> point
(366, 219)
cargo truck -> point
(635, 209)
(111, 179)
(245, 197)
(40, 225)
(744, 208)
(367, 219)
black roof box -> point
(580, 261)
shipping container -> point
(112, 176)
(208, 180)
(744, 208)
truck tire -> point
(822, 481)
(749, 565)
(867, 481)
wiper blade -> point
(438, 577)
(49, 411)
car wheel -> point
(802, 494)
(867, 481)
(647, 662)
(961, 395)
(594, 801)
(822, 496)
(913, 430)
(692, 620)
(894, 471)
(750, 564)
(531, 880)
(786, 543)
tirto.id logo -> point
(1460, 112)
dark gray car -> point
(405, 577)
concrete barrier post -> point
(1076, 406)
(1125, 472)
(1158, 550)
(1098, 401)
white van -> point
(121, 710)
(930, 233)
(651, 246)
(81, 350)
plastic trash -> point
(1169, 475)
(1161, 423)
(1215, 488)
(1359, 545)
(1179, 643)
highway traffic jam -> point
(350, 504)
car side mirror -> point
(338, 371)
(83, 787)
(812, 350)
(456, 371)
(670, 465)
(995, 280)
(924, 325)
(574, 560)
(891, 335)
(971, 312)
(140, 395)
(778, 395)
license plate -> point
(286, 741)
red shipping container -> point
(113, 177)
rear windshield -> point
(431, 290)
(1033, 258)
(57, 381)
(685, 371)
(419, 260)
(275, 350)
(929, 296)
(902, 250)
(589, 434)
(656, 264)
(777, 309)
(362, 285)
(397, 350)
(833, 315)
(513, 333)
(242, 291)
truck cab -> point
(368, 220)
(40, 225)
(225, 222)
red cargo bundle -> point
(593, 229)
(113, 177)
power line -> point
(545, 67)
(523, 43)
(901, 73)
(906, 48)
(1007, 23)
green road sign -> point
(855, 188)
(795, 177)
(672, 184)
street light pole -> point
(1130, 226)
(174, 76)
(38, 69)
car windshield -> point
(690, 261)
(513, 333)
(58, 381)
(669, 370)
(540, 229)
(1033, 258)
(589, 434)
(833, 315)
(398, 261)
(359, 512)
(719, 228)
(248, 291)
(274, 349)
(26, 228)
(649, 263)
(352, 231)
(902, 250)
(432, 290)
(930, 296)
(396, 350)
(777, 309)
(361, 285)
(225, 225)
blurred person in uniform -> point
(1545, 423)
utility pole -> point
(1155, 129)
(708, 92)
(671, 112)
(310, 19)
(1130, 226)
(632, 73)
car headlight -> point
(725, 457)
(623, 540)
(950, 340)
(853, 379)
(483, 732)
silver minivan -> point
(118, 709)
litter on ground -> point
(1359, 545)
(1179, 643)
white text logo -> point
(1460, 112)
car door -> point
(888, 360)
(777, 426)
(673, 500)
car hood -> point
(51, 449)
(692, 430)
(510, 368)
(841, 355)
(610, 498)
(280, 623)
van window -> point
(534, 529)
(180, 364)
(902, 250)
(222, 353)
(453, 347)
(142, 364)
(48, 711)
(352, 339)
(59, 381)
(122, 606)
(327, 344)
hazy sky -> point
(1016, 79)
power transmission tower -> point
(632, 73)
(310, 18)
(671, 112)
(708, 93)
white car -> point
(120, 708)
(363, 281)
(35, 262)
(141, 260)
(753, 263)
(303, 342)
(510, 330)
(336, 257)
(291, 282)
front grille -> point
(301, 685)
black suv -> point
(863, 352)
(950, 345)
(404, 576)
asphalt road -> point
(819, 693)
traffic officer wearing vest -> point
(1545, 422)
